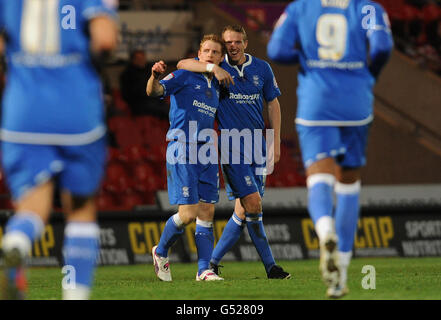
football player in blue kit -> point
(341, 46)
(193, 182)
(250, 82)
(53, 130)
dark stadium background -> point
(401, 199)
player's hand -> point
(158, 69)
(222, 76)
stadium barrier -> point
(389, 225)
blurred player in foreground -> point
(52, 130)
(252, 82)
(333, 41)
(192, 183)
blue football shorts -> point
(77, 169)
(346, 144)
(243, 179)
(243, 168)
(190, 183)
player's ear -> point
(245, 43)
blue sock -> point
(204, 239)
(258, 236)
(230, 235)
(320, 195)
(172, 230)
(28, 223)
(21, 230)
(346, 214)
(81, 248)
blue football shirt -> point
(332, 38)
(194, 100)
(254, 83)
(53, 93)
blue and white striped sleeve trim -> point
(93, 12)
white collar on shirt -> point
(246, 63)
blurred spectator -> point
(417, 3)
(431, 14)
(416, 26)
(133, 81)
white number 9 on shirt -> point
(331, 33)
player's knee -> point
(188, 213)
(206, 211)
(238, 209)
(326, 165)
(188, 217)
(252, 204)
(240, 214)
(349, 175)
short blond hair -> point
(215, 38)
(235, 28)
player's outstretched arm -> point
(380, 49)
(275, 120)
(278, 50)
(154, 88)
(198, 66)
(281, 47)
(380, 40)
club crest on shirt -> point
(185, 192)
(209, 94)
(256, 80)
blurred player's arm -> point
(380, 50)
(281, 47)
(275, 120)
(380, 42)
(2, 44)
(193, 65)
(154, 87)
(103, 36)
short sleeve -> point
(286, 26)
(174, 81)
(95, 8)
(270, 87)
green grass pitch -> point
(395, 279)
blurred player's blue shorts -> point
(190, 183)
(346, 144)
(243, 179)
(78, 169)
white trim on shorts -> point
(58, 139)
(335, 123)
